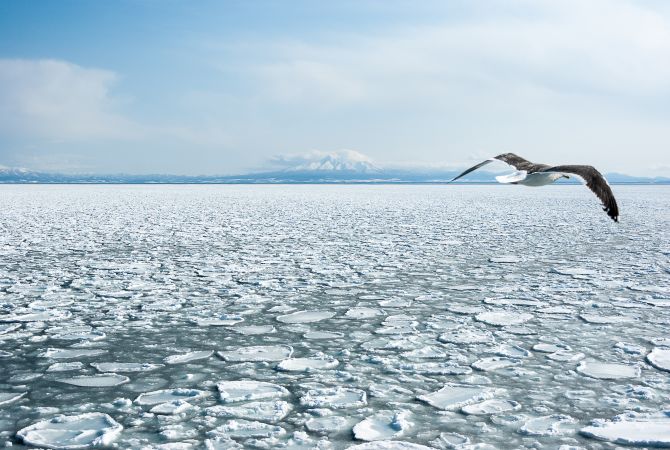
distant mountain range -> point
(331, 169)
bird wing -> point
(596, 182)
(510, 159)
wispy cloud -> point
(58, 100)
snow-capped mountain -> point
(342, 160)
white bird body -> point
(530, 179)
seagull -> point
(531, 174)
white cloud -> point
(57, 100)
(612, 46)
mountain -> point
(340, 161)
(338, 167)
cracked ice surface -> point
(306, 316)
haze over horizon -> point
(233, 87)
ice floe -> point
(652, 430)
(503, 318)
(335, 397)
(453, 396)
(72, 432)
(389, 445)
(9, 397)
(266, 411)
(224, 320)
(257, 353)
(70, 353)
(188, 357)
(173, 407)
(551, 425)
(492, 406)
(305, 316)
(307, 364)
(327, 424)
(494, 363)
(168, 395)
(125, 367)
(608, 371)
(660, 358)
(384, 425)
(240, 429)
(245, 390)
(104, 380)
(466, 336)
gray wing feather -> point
(597, 183)
(510, 159)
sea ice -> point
(224, 320)
(257, 353)
(604, 319)
(241, 429)
(492, 406)
(307, 364)
(327, 424)
(251, 330)
(382, 426)
(551, 425)
(389, 445)
(548, 348)
(268, 411)
(608, 371)
(105, 380)
(173, 407)
(125, 367)
(360, 312)
(244, 390)
(454, 396)
(41, 316)
(323, 335)
(69, 353)
(305, 316)
(9, 397)
(494, 363)
(505, 259)
(72, 432)
(65, 366)
(651, 430)
(512, 302)
(188, 357)
(660, 358)
(168, 395)
(336, 397)
(503, 318)
(466, 336)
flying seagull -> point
(531, 174)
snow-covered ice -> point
(651, 430)
(608, 371)
(102, 380)
(257, 353)
(72, 432)
(300, 317)
(168, 395)
(454, 396)
(660, 358)
(244, 390)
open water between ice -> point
(369, 317)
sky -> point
(227, 87)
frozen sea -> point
(383, 317)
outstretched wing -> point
(597, 183)
(511, 159)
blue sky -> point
(224, 87)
